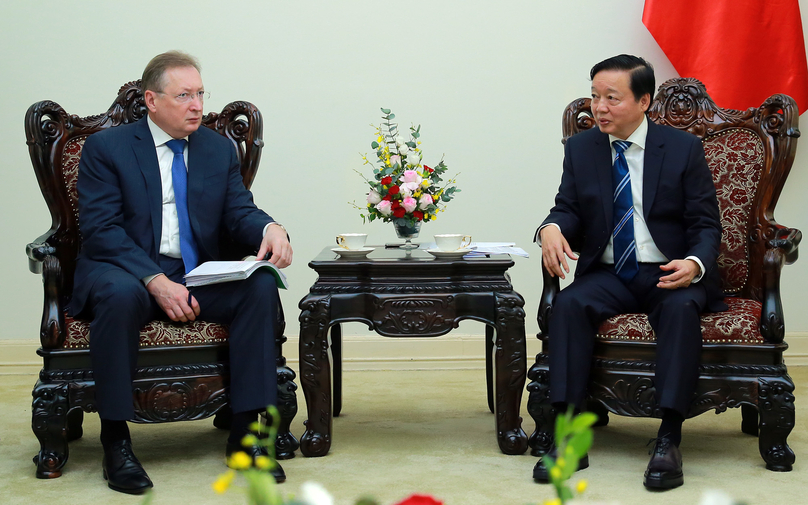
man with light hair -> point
(153, 198)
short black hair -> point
(642, 73)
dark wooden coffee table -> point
(401, 294)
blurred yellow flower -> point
(561, 462)
(581, 486)
(223, 482)
(554, 501)
(239, 461)
(555, 472)
(263, 462)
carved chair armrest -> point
(782, 250)
(37, 251)
(551, 287)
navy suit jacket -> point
(120, 202)
(679, 201)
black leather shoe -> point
(665, 468)
(254, 451)
(542, 475)
(123, 471)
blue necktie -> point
(179, 175)
(625, 249)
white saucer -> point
(352, 253)
(449, 255)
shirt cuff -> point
(537, 237)
(146, 280)
(701, 269)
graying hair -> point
(154, 75)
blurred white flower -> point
(312, 493)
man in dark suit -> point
(639, 200)
(153, 198)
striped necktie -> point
(625, 248)
(179, 176)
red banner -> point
(742, 50)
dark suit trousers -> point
(121, 306)
(592, 298)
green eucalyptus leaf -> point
(386, 111)
(391, 116)
(583, 421)
(581, 442)
(374, 144)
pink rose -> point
(384, 207)
(412, 176)
(424, 202)
(409, 204)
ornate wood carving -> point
(422, 316)
(49, 412)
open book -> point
(213, 272)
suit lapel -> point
(603, 168)
(652, 166)
(146, 156)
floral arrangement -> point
(403, 190)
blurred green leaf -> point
(583, 421)
(386, 111)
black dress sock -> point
(671, 426)
(240, 425)
(112, 431)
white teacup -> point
(452, 241)
(352, 241)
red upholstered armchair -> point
(182, 368)
(750, 154)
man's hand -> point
(554, 247)
(173, 299)
(683, 273)
(276, 243)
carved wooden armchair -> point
(750, 154)
(182, 368)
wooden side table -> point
(411, 294)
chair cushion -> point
(156, 333)
(737, 325)
(735, 157)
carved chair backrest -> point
(749, 153)
(55, 140)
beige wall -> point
(486, 80)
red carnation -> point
(420, 499)
(396, 204)
(387, 180)
(418, 215)
(430, 169)
(393, 190)
(387, 197)
(399, 212)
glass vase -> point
(408, 231)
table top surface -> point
(381, 253)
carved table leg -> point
(336, 354)
(540, 408)
(510, 364)
(49, 420)
(489, 366)
(315, 374)
(776, 408)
